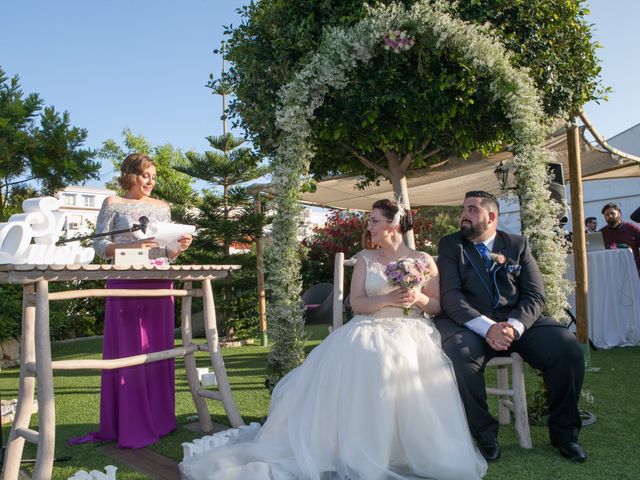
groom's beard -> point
(469, 230)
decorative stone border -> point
(209, 442)
(109, 474)
(9, 353)
(8, 409)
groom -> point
(492, 305)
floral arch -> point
(341, 51)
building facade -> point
(312, 218)
(81, 206)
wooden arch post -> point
(578, 238)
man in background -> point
(591, 225)
(619, 234)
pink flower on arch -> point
(398, 41)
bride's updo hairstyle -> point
(391, 212)
(133, 165)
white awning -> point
(446, 183)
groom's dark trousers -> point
(512, 289)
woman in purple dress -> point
(137, 404)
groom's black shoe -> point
(571, 450)
(490, 450)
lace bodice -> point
(377, 283)
(123, 215)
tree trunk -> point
(398, 170)
(397, 175)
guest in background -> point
(617, 233)
(591, 225)
(137, 404)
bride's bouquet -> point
(408, 273)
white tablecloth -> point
(613, 297)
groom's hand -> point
(500, 336)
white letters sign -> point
(41, 222)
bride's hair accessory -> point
(402, 211)
(396, 212)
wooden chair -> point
(338, 287)
(512, 396)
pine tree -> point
(226, 211)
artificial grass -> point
(611, 443)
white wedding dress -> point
(377, 399)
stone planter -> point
(9, 353)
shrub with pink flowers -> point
(342, 232)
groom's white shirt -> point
(481, 324)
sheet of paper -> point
(168, 234)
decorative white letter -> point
(42, 222)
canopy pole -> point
(579, 243)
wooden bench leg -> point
(512, 400)
(502, 375)
(190, 363)
(520, 402)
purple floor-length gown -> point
(137, 404)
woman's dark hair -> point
(389, 210)
(133, 165)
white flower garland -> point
(341, 51)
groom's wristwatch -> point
(516, 334)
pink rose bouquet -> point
(408, 273)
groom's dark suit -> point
(512, 290)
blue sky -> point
(143, 64)
(137, 64)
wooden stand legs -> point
(190, 365)
(26, 386)
(35, 360)
(211, 332)
(36, 363)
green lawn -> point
(612, 443)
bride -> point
(376, 400)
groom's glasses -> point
(372, 222)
